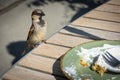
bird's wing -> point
(30, 32)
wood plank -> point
(98, 24)
(84, 32)
(50, 50)
(103, 16)
(43, 64)
(116, 2)
(20, 73)
(109, 8)
(67, 40)
(58, 44)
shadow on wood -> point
(57, 71)
(81, 32)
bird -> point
(38, 30)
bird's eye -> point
(40, 14)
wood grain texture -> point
(20, 73)
(43, 64)
(103, 16)
(50, 50)
(109, 8)
(98, 24)
(116, 2)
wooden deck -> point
(42, 63)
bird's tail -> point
(26, 50)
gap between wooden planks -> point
(98, 24)
(109, 8)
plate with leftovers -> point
(96, 60)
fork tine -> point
(111, 60)
(112, 57)
(107, 60)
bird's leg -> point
(44, 41)
(35, 45)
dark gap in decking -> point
(59, 45)
(93, 28)
(107, 11)
(112, 4)
(34, 69)
(44, 56)
(81, 36)
(101, 19)
(81, 32)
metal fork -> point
(110, 59)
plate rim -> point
(61, 59)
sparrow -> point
(37, 30)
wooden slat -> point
(53, 51)
(98, 24)
(68, 41)
(103, 16)
(109, 8)
(19, 73)
(58, 44)
(116, 2)
(43, 64)
(95, 34)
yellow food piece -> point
(84, 63)
(99, 69)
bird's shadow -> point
(15, 49)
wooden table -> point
(43, 63)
